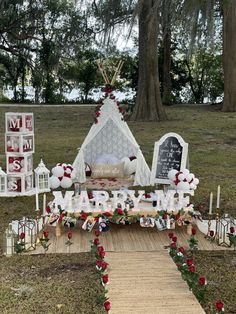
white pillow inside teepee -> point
(107, 159)
(129, 166)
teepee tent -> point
(110, 135)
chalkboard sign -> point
(169, 153)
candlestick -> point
(37, 200)
(44, 204)
(210, 205)
(218, 197)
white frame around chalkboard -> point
(184, 157)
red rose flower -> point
(189, 262)
(212, 233)
(170, 235)
(164, 216)
(84, 216)
(147, 195)
(69, 235)
(100, 248)
(232, 229)
(219, 305)
(60, 217)
(194, 231)
(181, 249)
(202, 281)
(90, 195)
(48, 209)
(107, 306)
(108, 214)
(102, 254)
(177, 216)
(173, 245)
(45, 234)
(96, 241)
(192, 269)
(22, 236)
(104, 265)
(105, 279)
(97, 113)
(97, 233)
(99, 263)
(174, 239)
(120, 211)
(95, 120)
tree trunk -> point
(229, 55)
(166, 97)
(148, 104)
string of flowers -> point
(197, 284)
(186, 265)
(101, 266)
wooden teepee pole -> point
(117, 72)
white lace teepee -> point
(110, 135)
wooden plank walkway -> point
(148, 282)
(123, 239)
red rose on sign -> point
(194, 231)
(102, 254)
(108, 214)
(177, 216)
(189, 262)
(192, 269)
(48, 209)
(212, 233)
(120, 211)
(219, 305)
(45, 234)
(104, 265)
(170, 235)
(202, 281)
(83, 216)
(22, 236)
(232, 229)
(173, 245)
(105, 279)
(97, 233)
(174, 239)
(69, 235)
(181, 249)
(96, 241)
(107, 306)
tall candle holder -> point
(217, 225)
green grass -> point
(58, 133)
(53, 283)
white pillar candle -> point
(218, 197)
(44, 204)
(37, 200)
(211, 201)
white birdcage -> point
(42, 178)
(3, 182)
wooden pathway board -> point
(148, 282)
(123, 239)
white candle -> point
(218, 197)
(44, 204)
(37, 200)
(210, 205)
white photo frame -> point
(158, 176)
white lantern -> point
(3, 182)
(10, 240)
(42, 178)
